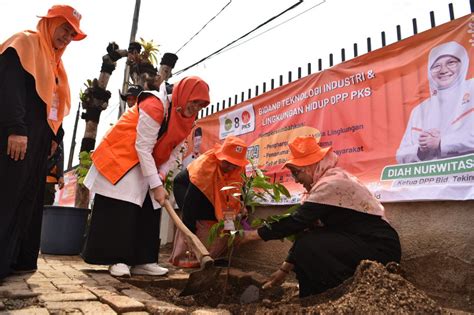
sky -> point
(312, 30)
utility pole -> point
(73, 142)
(126, 74)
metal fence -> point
(245, 95)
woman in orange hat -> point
(339, 223)
(197, 190)
(34, 98)
(127, 174)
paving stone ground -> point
(67, 285)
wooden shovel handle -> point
(201, 252)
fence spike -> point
(415, 27)
(432, 19)
(451, 11)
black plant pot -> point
(63, 230)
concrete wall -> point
(437, 245)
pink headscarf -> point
(334, 186)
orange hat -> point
(71, 15)
(305, 151)
(233, 150)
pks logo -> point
(237, 122)
(245, 117)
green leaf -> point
(292, 209)
(82, 172)
(83, 155)
(214, 231)
(283, 190)
(87, 163)
(256, 222)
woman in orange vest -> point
(197, 190)
(34, 98)
(127, 173)
(339, 224)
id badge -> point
(229, 217)
(53, 112)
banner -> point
(66, 196)
(400, 118)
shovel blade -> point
(201, 280)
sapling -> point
(254, 188)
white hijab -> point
(445, 100)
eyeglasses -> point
(295, 172)
(451, 65)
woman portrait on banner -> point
(127, 175)
(443, 125)
(198, 193)
(34, 99)
(339, 223)
(194, 154)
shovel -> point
(205, 277)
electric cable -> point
(243, 36)
(111, 110)
(204, 26)
(301, 13)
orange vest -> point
(116, 153)
(205, 173)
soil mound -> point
(373, 289)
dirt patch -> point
(16, 304)
(447, 280)
(373, 289)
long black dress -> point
(122, 232)
(22, 112)
(189, 198)
(325, 256)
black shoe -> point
(18, 270)
(21, 272)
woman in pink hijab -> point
(339, 224)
